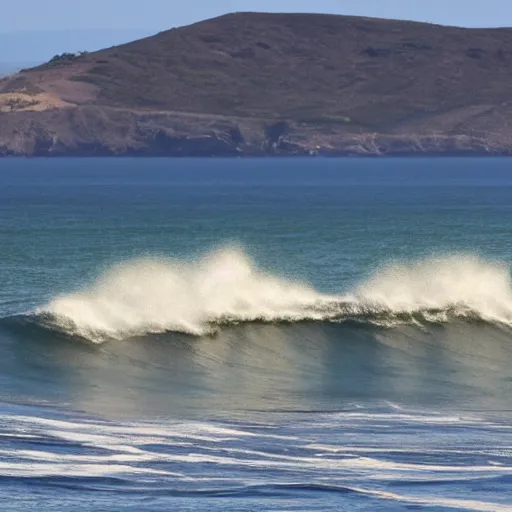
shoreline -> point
(333, 156)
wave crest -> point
(158, 295)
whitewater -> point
(197, 297)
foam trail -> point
(157, 295)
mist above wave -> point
(155, 295)
(462, 284)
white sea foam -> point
(195, 297)
(458, 282)
(147, 457)
(31, 469)
(429, 501)
(157, 295)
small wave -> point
(155, 295)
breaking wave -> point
(156, 295)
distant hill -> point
(254, 83)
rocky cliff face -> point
(262, 84)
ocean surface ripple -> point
(312, 456)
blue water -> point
(255, 334)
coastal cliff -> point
(270, 84)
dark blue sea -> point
(255, 335)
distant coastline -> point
(257, 84)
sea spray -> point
(225, 287)
(157, 295)
(441, 282)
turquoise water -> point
(255, 334)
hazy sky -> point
(155, 15)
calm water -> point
(255, 334)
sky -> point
(162, 14)
(39, 29)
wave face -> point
(155, 295)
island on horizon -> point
(257, 84)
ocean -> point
(246, 335)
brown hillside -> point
(287, 83)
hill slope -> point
(253, 83)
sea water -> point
(267, 334)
